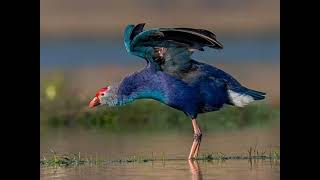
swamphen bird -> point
(172, 77)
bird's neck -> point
(136, 86)
(116, 99)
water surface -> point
(108, 145)
(194, 170)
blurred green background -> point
(82, 51)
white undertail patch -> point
(238, 99)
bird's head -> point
(101, 98)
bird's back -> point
(158, 85)
(215, 87)
(209, 84)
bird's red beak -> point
(94, 102)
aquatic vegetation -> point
(76, 159)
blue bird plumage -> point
(172, 77)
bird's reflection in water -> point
(195, 170)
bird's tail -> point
(243, 96)
(257, 95)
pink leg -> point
(196, 140)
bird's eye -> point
(102, 94)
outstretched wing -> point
(168, 48)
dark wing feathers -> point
(187, 37)
(200, 36)
(200, 31)
(189, 40)
(170, 49)
(136, 30)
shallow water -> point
(227, 170)
(107, 145)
